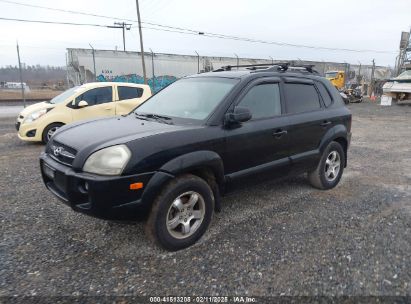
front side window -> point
(263, 100)
(301, 98)
(96, 96)
(129, 92)
(192, 98)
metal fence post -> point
(238, 60)
(152, 67)
(198, 62)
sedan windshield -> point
(192, 98)
(63, 96)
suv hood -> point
(36, 107)
(99, 133)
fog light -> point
(31, 133)
(83, 187)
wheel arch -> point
(49, 124)
(338, 134)
(207, 165)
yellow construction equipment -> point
(337, 78)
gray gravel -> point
(277, 238)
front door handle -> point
(279, 133)
(325, 123)
(107, 109)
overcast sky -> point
(352, 24)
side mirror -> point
(239, 115)
(82, 104)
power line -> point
(62, 10)
(65, 11)
(267, 42)
(52, 22)
(182, 30)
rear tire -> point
(329, 169)
(181, 213)
(49, 131)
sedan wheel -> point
(51, 132)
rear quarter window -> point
(325, 95)
(301, 98)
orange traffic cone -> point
(372, 98)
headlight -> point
(108, 161)
(35, 115)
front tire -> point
(181, 213)
(49, 131)
(330, 168)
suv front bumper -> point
(107, 197)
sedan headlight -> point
(108, 161)
(35, 115)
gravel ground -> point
(279, 238)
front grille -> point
(61, 153)
(17, 126)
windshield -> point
(404, 75)
(63, 96)
(193, 98)
(331, 74)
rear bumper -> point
(99, 196)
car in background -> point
(38, 122)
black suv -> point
(174, 156)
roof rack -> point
(277, 67)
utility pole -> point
(94, 62)
(141, 42)
(21, 77)
(124, 26)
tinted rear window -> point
(324, 94)
(129, 92)
(301, 98)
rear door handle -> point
(325, 123)
(279, 133)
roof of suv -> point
(244, 71)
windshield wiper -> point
(140, 116)
(163, 119)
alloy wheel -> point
(332, 166)
(51, 132)
(185, 215)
